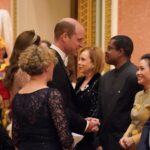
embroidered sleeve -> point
(59, 118)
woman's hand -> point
(126, 142)
(123, 143)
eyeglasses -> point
(109, 48)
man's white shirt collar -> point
(61, 53)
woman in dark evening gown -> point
(90, 65)
(38, 116)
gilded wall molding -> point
(107, 21)
(107, 25)
(87, 17)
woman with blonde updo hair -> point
(38, 116)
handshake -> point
(92, 124)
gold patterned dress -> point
(140, 113)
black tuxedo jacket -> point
(61, 81)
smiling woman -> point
(90, 65)
(141, 109)
(143, 73)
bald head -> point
(66, 25)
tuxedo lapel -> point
(62, 82)
(63, 66)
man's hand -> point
(93, 124)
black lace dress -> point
(39, 121)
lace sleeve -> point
(59, 118)
(15, 131)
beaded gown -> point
(87, 107)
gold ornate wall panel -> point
(87, 16)
(107, 22)
(93, 22)
(107, 26)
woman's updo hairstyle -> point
(35, 59)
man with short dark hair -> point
(116, 92)
(68, 38)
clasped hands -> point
(126, 142)
(93, 124)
